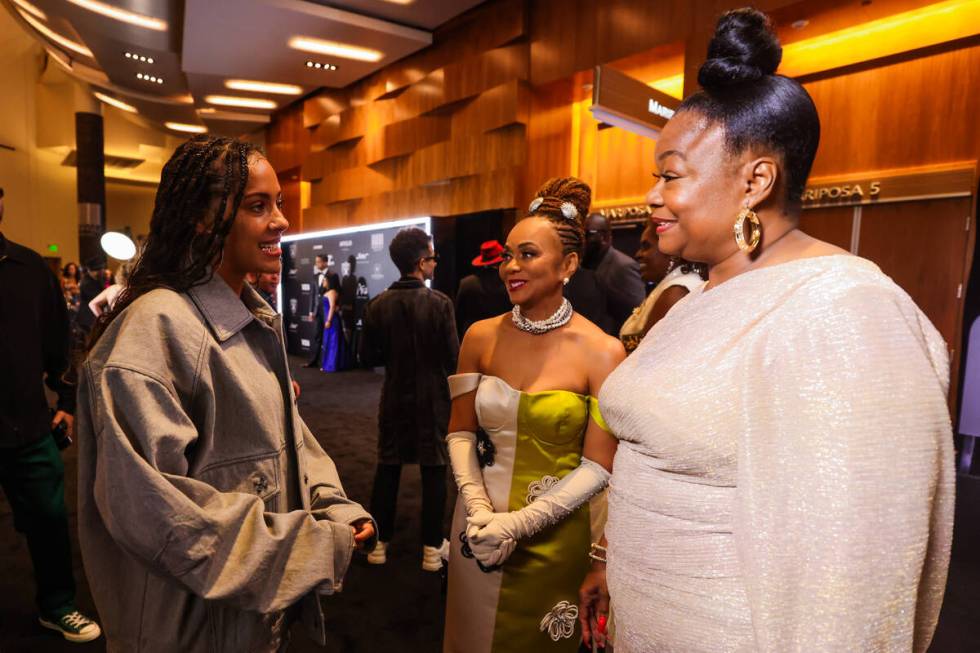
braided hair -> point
(554, 201)
(200, 190)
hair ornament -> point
(569, 211)
(535, 204)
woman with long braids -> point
(784, 476)
(207, 510)
(527, 444)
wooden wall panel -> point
(905, 114)
(923, 247)
(833, 225)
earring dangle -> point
(755, 227)
(564, 281)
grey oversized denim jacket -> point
(185, 417)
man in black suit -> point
(321, 285)
(618, 274)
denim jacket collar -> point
(225, 312)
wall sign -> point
(889, 186)
(628, 103)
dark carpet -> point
(398, 607)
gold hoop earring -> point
(739, 228)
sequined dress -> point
(784, 478)
(530, 603)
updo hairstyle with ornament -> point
(564, 202)
(758, 109)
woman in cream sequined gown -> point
(783, 481)
(521, 531)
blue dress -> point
(333, 342)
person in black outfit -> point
(93, 283)
(321, 286)
(482, 294)
(588, 298)
(410, 329)
(618, 274)
(348, 297)
(34, 351)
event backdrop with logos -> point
(369, 246)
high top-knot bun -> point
(744, 49)
(565, 202)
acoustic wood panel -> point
(905, 114)
(923, 247)
(417, 137)
(833, 225)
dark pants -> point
(33, 479)
(318, 338)
(385, 496)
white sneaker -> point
(432, 556)
(378, 555)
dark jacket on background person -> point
(89, 289)
(410, 330)
(206, 506)
(481, 295)
(588, 298)
(619, 275)
(33, 346)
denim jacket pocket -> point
(258, 476)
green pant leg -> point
(33, 478)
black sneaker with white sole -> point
(73, 626)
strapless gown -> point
(784, 476)
(530, 603)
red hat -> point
(490, 254)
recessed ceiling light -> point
(54, 36)
(119, 104)
(318, 65)
(334, 49)
(149, 78)
(139, 57)
(122, 15)
(246, 102)
(184, 127)
(800, 24)
(263, 87)
(31, 9)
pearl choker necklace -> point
(536, 327)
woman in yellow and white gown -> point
(528, 446)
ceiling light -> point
(119, 104)
(245, 102)
(332, 48)
(122, 15)
(206, 110)
(263, 87)
(54, 36)
(31, 9)
(139, 57)
(118, 245)
(183, 127)
(149, 78)
(318, 65)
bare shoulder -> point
(604, 347)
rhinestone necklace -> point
(558, 319)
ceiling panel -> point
(207, 42)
